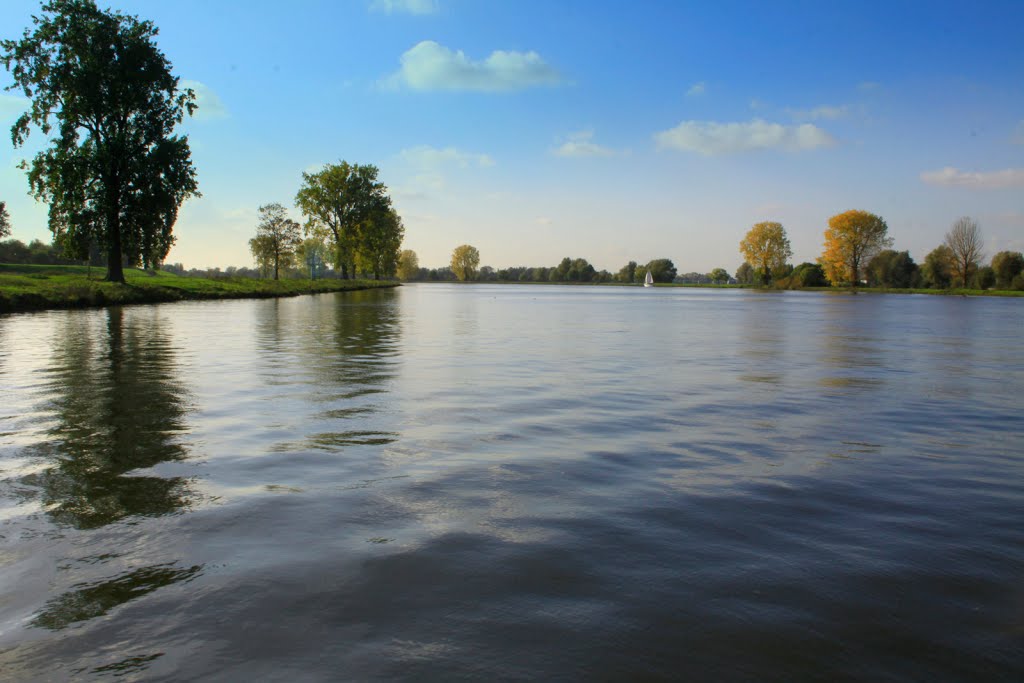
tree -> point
(984, 278)
(5, 221)
(277, 237)
(1007, 265)
(113, 171)
(336, 201)
(380, 238)
(809, 275)
(626, 273)
(408, 265)
(662, 270)
(937, 269)
(745, 274)
(766, 247)
(893, 269)
(465, 261)
(964, 240)
(719, 276)
(263, 253)
(311, 253)
(851, 241)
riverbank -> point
(33, 288)
(694, 285)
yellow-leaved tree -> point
(852, 239)
(408, 265)
(465, 261)
(766, 248)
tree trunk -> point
(115, 270)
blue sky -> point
(613, 131)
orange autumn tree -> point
(852, 239)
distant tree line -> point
(858, 252)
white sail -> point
(648, 281)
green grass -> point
(31, 287)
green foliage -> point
(277, 238)
(627, 273)
(719, 276)
(984, 278)
(662, 270)
(804, 275)
(937, 271)
(5, 221)
(113, 172)
(892, 269)
(572, 270)
(380, 241)
(338, 201)
(1007, 265)
(745, 274)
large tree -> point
(964, 240)
(113, 173)
(380, 239)
(937, 269)
(851, 241)
(5, 221)
(766, 248)
(277, 238)
(465, 261)
(336, 200)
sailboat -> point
(648, 281)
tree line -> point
(858, 251)
(465, 266)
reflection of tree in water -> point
(94, 600)
(119, 408)
(348, 352)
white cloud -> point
(430, 66)
(404, 6)
(581, 144)
(991, 180)
(425, 156)
(210, 105)
(712, 137)
(542, 220)
(697, 89)
(826, 112)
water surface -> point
(515, 482)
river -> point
(445, 482)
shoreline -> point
(1006, 293)
(31, 288)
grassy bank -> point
(29, 287)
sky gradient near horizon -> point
(604, 130)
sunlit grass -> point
(32, 287)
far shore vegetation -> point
(114, 170)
